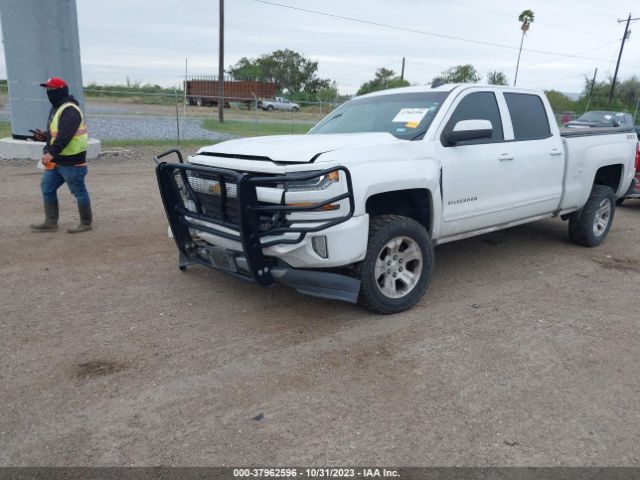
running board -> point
(331, 286)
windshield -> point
(404, 115)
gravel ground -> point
(524, 352)
(120, 127)
(123, 122)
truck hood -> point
(294, 148)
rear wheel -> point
(294, 109)
(397, 269)
(590, 226)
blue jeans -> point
(74, 176)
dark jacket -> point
(68, 125)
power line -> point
(573, 9)
(424, 64)
(537, 80)
(513, 16)
(575, 55)
(599, 6)
(369, 69)
(424, 32)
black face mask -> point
(57, 95)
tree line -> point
(297, 77)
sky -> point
(149, 41)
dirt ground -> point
(524, 352)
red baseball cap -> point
(54, 82)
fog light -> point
(320, 246)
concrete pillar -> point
(40, 41)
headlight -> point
(319, 183)
(210, 187)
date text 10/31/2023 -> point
(314, 473)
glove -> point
(39, 135)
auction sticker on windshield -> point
(411, 117)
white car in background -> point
(278, 104)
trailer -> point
(204, 91)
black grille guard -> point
(239, 216)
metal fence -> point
(120, 115)
(115, 115)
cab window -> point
(479, 106)
(528, 115)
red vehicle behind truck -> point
(634, 190)
(203, 91)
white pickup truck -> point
(278, 104)
(353, 209)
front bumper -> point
(346, 244)
(217, 221)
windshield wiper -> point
(332, 118)
(418, 135)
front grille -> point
(215, 195)
(216, 200)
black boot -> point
(50, 223)
(85, 220)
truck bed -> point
(589, 149)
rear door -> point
(476, 175)
(538, 155)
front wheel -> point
(269, 108)
(398, 265)
(590, 226)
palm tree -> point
(526, 18)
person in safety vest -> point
(64, 158)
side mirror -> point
(467, 130)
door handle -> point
(555, 152)
(505, 156)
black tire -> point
(269, 108)
(619, 201)
(294, 109)
(382, 230)
(582, 225)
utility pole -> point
(593, 83)
(184, 87)
(515, 78)
(402, 74)
(624, 39)
(221, 66)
